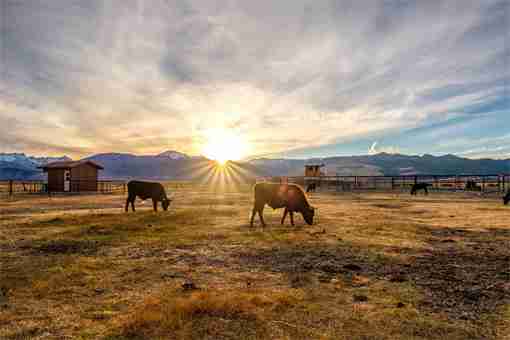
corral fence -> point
(476, 183)
(10, 188)
(473, 183)
(20, 187)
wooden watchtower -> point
(314, 170)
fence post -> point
(10, 187)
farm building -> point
(72, 176)
(313, 170)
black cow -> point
(146, 190)
(420, 186)
(311, 187)
(506, 199)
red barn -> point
(72, 176)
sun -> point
(224, 145)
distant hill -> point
(387, 164)
(168, 165)
(177, 165)
(21, 166)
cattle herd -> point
(290, 197)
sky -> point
(288, 78)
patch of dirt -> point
(298, 280)
(464, 282)
(82, 247)
(321, 260)
(190, 256)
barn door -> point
(67, 180)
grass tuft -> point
(193, 315)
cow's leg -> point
(130, 199)
(261, 216)
(257, 209)
(133, 203)
(252, 216)
(292, 218)
(155, 204)
(426, 191)
(284, 215)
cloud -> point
(88, 76)
(375, 149)
(372, 150)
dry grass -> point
(374, 266)
(205, 314)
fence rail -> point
(480, 183)
(19, 187)
(24, 187)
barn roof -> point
(68, 165)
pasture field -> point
(373, 266)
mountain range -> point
(177, 165)
(21, 166)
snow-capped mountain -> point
(21, 158)
(176, 165)
(173, 155)
(21, 166)
(45, 160)
(17, 159)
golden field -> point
(373, 266)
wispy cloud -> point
(375, 148)
(83, 77)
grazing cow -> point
(506, 199)
(311, 187)
(288, 196)
(146, 190)
(420, 186)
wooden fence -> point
(477, 183)
(20, 187)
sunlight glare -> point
(223, 146)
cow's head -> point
(506, 199)
(165, 203)
(308, 214)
